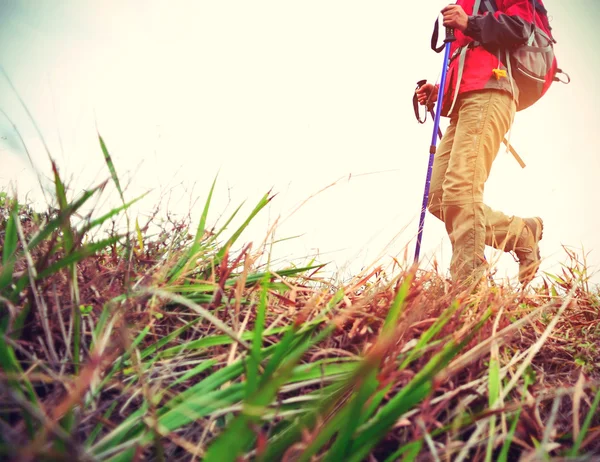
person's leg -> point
(483, 119)
(438, 173)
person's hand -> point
(427, 94)
(455, 17)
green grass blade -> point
(80, 254)
(195, 407)
(429, 334)
(300, 373)
(203, 312)
(408, 397)
(195, 371)
(68, 237)
(213, 340)
(494, 395)
(376, 400)
(410, 452)
(10, 236)
(210, 383)
(227, 223)
(129, 427)
(414, 392)
(10, 365)
(120, 362)
(288, 434)
(586, 425)
(323, 369)
(76, 315)
(239, 435)
(107, 216)
(192, 289)
(177, 409)
(101, 324)
(63, 215)
(67, 423)
(397, 306)
(261, 204)
(333, 426)
(11, 240)
(98, 428)
(195, 248)
(52, 226)
(256, 277)
(203, 218)
(111, 168)
(257, 340)
(136, 342)
(423, 343)
(152, 349)
(327, 397)
(341, 447)
(282, 349)
(503, 456)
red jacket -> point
(510, 26)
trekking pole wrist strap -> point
(450, 37)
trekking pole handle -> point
(450, 37)
(429, 104)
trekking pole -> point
(436, 126)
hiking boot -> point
(527, 249)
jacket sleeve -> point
(509, 27)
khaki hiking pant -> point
(461, 167)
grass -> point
(179, 346)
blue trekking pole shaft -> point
(436, 126)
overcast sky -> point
(288, 96)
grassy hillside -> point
(184, 345)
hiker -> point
(480, 100)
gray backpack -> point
(532, 67)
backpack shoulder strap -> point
(490, 6)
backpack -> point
(532, 66)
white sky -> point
(289, 96)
